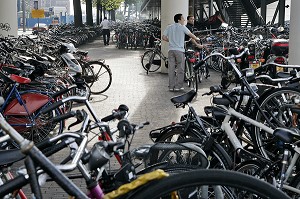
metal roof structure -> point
(237, 12)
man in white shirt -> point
(105, 24)
(174, 34)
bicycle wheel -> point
(216, 63)
(188, 185)
(250, 167)
(151, 61)
(88, 74)
(296, 184)
(216, 154)
(279, 107)
(191, 76)
(103, 77)
(203, 73)
(37, 126)
(175, 153)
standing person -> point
(190, 26)
(105, 24)
(174, 34)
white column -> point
(169, 8)
(294, 41)
(8, 18)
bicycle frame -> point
(238, 146)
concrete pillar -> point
(170, 8)
(263, 10)
(8, 18)
(294, 41)
(281, 12)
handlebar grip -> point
(64, 116)
(108, 118)
(56, 148)
(52, 106)
(116, 115)
(199, 64)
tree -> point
(111, 5)
(129, 3)
(89, 12)
(77, 13)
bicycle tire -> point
(217, 155)
(179, 153)
(277, 111)
(146, 58)
(103, 77)
(216, 63)
(249, 167)
(238, 182)
(296, 184)
(88, 74)
(191, 76)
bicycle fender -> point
(32, 101)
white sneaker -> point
(179, 89)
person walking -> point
(105, 24)
(174, 34)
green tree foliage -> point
(111, 4)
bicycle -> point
(151, 59)
(96, 73)
(192, 126)
(96, 160)
(139, 187)
(27, 118)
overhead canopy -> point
(149, 4)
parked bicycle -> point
(152, 59)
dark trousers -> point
(106, 36)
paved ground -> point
(147, 96)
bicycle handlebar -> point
(280, 65)
(200, 63)
(61, 102)
(274, 80)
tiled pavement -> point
(147, 97)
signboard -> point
(38, 13)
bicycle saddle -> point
(8, 157)
(185, 98)
(84, 53)
(11, 70)
(23, 65)
(286, 135)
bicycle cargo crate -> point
(280, 47)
